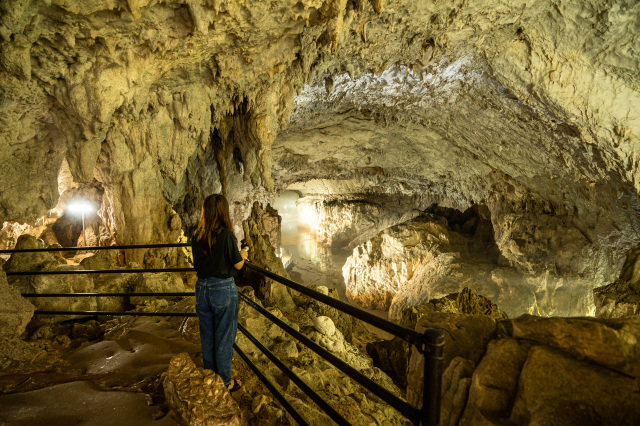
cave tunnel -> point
(465, 166)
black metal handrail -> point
(274, 390)
(430, 343)
(99, 271)
(337, 417)
(409, 335)
(91, 248)
(398, 403)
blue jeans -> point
(217, 310)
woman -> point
(216, 259)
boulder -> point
(494, 382)
(456, 380)
(554, 388)
(466, 301)
(391, 356)
(63, 284)
(197, 396)
(342, 321)
(325, 326)
(110, 283)
(15, 311)
(163, 282)
(612, 343)
(466, 336)
(620, 299)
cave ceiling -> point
(529, 107)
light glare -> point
(80, 207)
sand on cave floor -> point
(116, 380)
(125, 369)
(79, 403)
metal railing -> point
(429, 344)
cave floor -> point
(79, 403)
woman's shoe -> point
(235, 386)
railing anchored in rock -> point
(430, 343)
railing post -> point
(433, 346)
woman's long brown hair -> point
(214, 216)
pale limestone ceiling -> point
(506, 103)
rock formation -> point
(373, 112)
(534, 370)
(15, 311)
(199, 397)
(621, 298)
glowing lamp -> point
(81, 207)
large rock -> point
(611, 343)
(197, 396)
(110, 283)
(392, 357)
(64, 284)
(15, 311)
(466, 336)
(494, 382)
(386, 264)
(464, 302)
(621, 299)
(617, 300)
(556, 389)
(42, 261)
(456, 380)
(163, 282)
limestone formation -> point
(359, 406)
(621, 299)
(372, 111)
(430, 257)
(261, 251)
(15, 311)
(198, 397)
(534, 369)
(156, 283)
(39, 261)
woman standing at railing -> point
(216, 259)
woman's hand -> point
(244, 253)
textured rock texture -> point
(15, 311)
(261, 252)
(163, 103)
(432, 256)
(535, 370)
(356, 404)
(197, 396)
(621, 298)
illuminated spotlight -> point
(81, 207)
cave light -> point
(81, 207)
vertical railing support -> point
(433, 345)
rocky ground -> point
(524, 370)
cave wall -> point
(527, 107)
